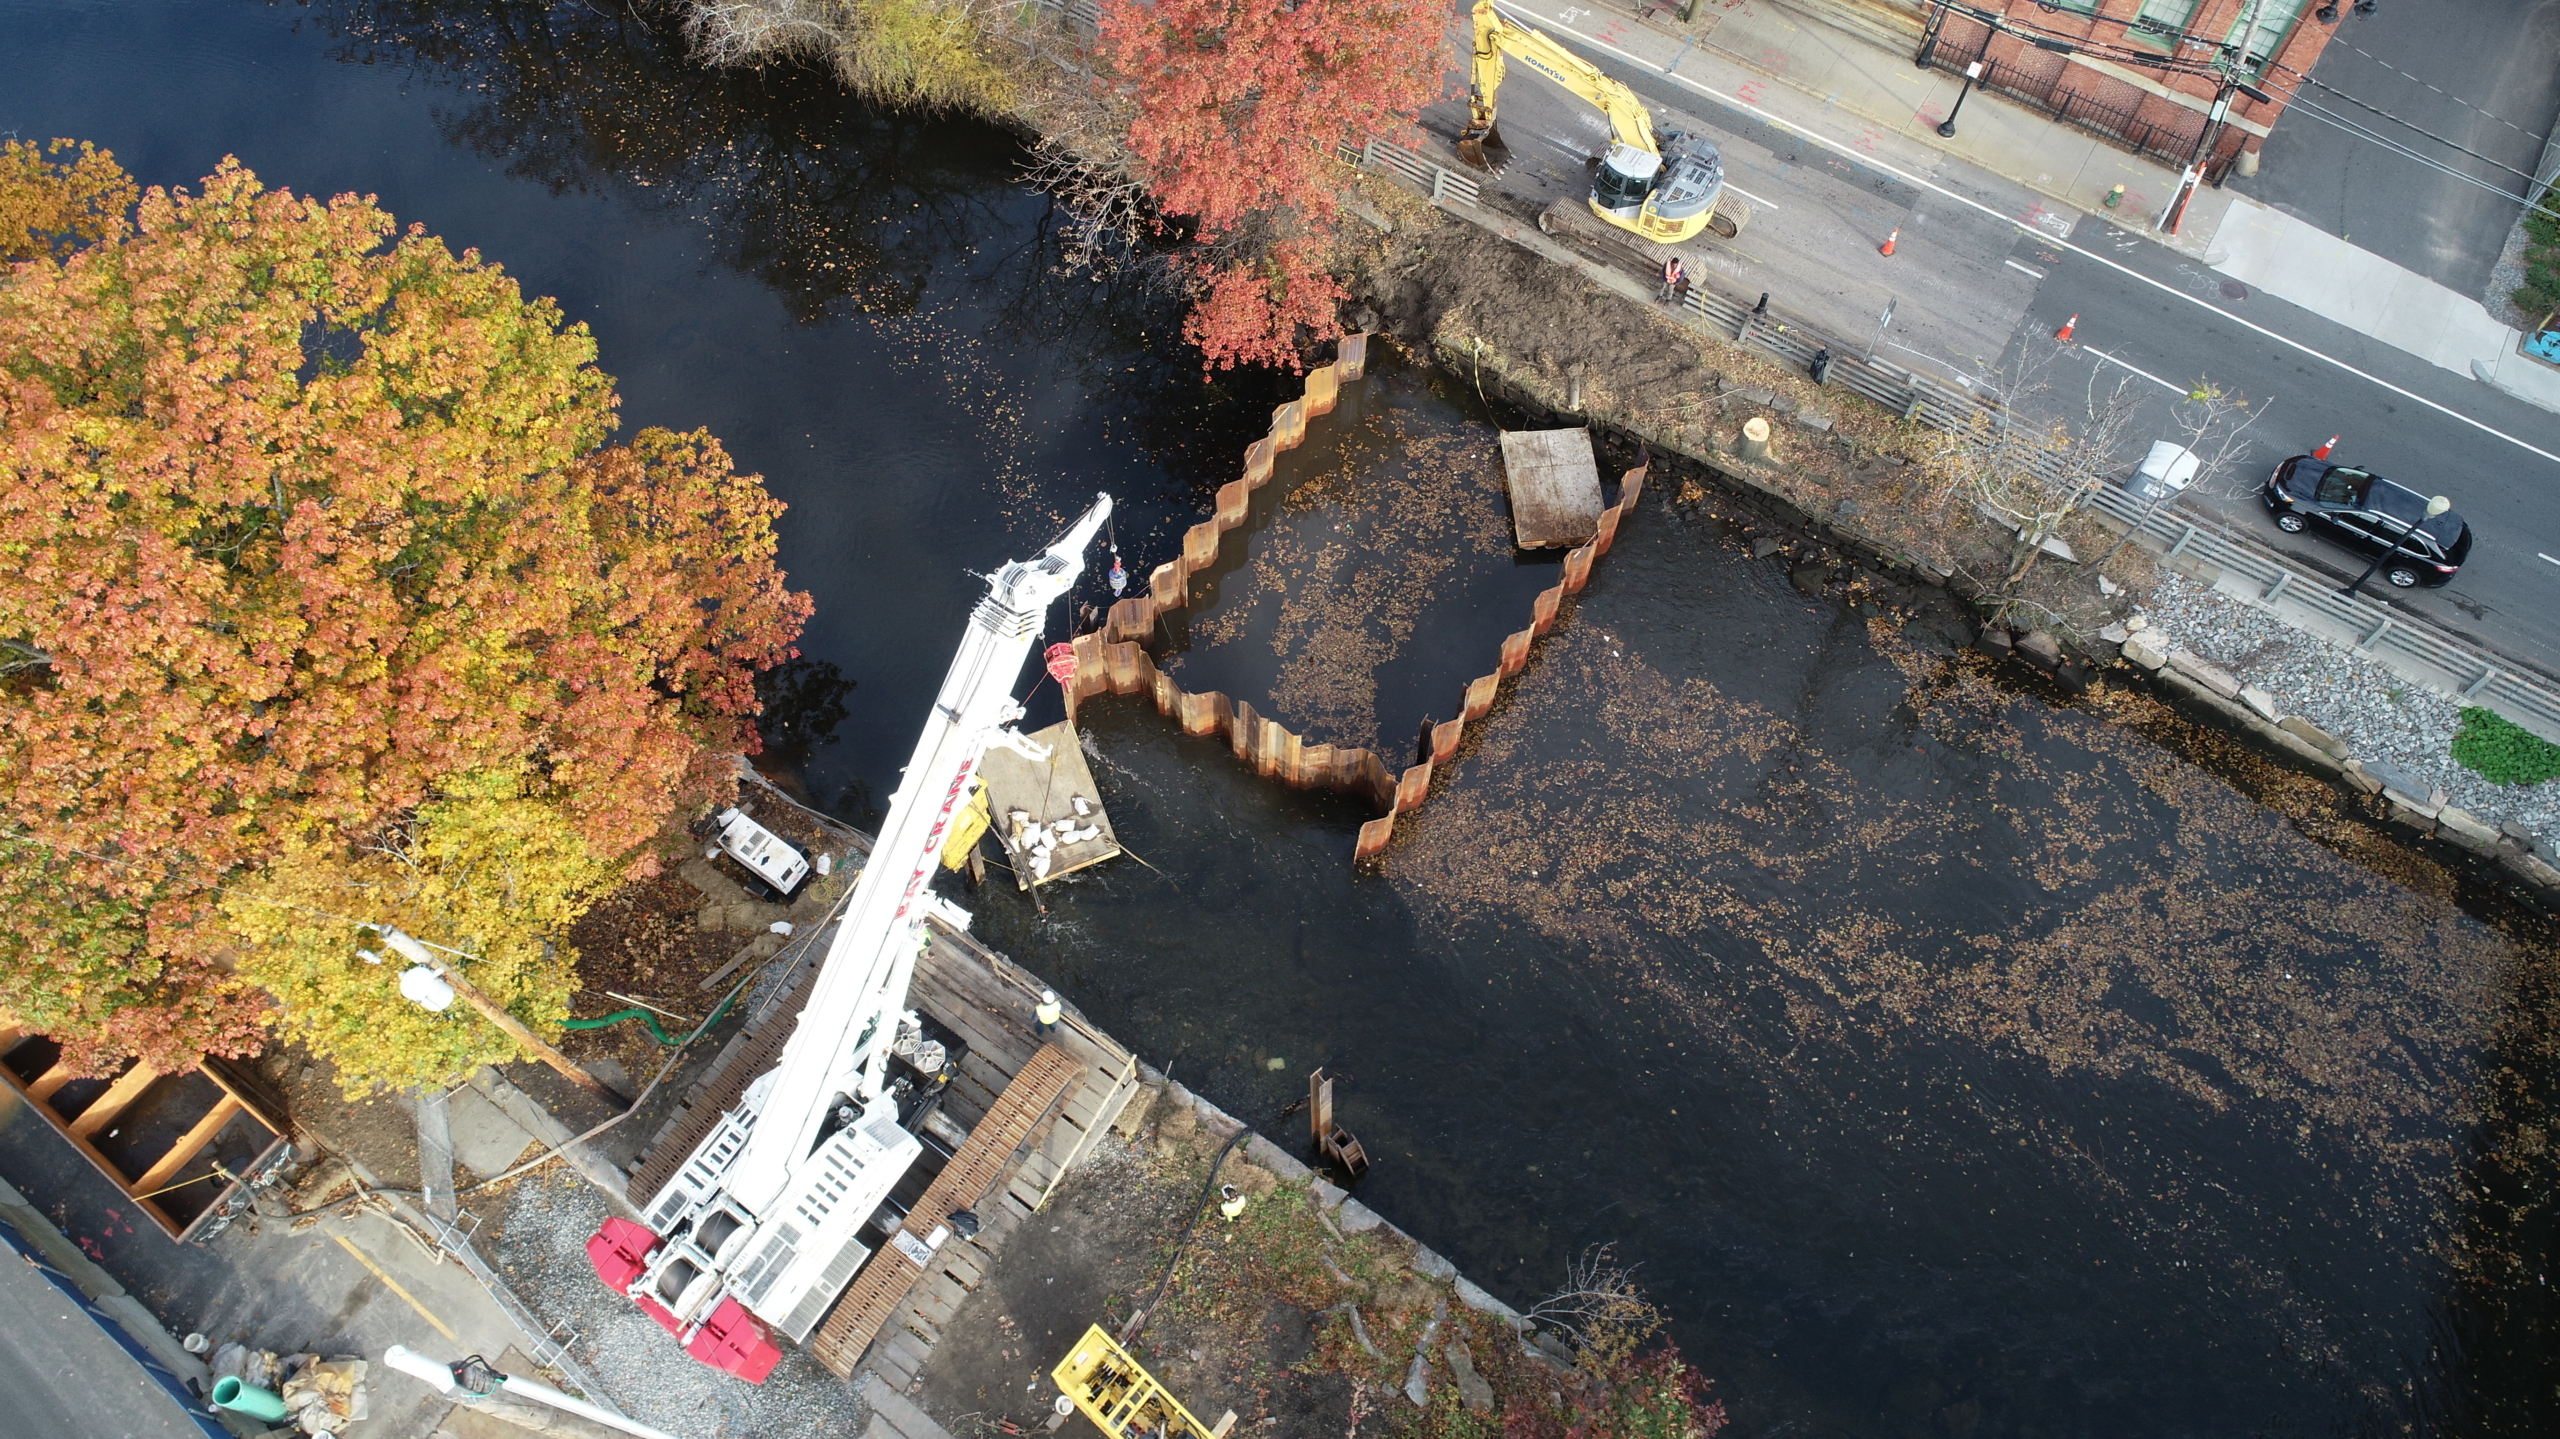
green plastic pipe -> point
(229, 1393)
(645, 1017)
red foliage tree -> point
(1240, 106)
(297, 516)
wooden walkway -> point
(1033, 1108)
(888, 1286)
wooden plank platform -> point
(236, 1094)
(892, 1281)
(1554, 482)
(1047, 791)
(749, 1054)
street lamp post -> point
(2435, 507)
(1947, 126)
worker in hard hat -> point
(1047, 1012)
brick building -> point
(2140, 72)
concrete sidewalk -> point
(1790, 69)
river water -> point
(1953, 1058)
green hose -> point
(651, 1020)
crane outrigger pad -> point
(1554, 482)
(1045, 793)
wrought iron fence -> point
(2172, 143)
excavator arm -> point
(1498, 37)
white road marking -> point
(1861, 157)
(2547, 557)
(2025, 269)
(1754, 199)
(2146, 374)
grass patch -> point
(2502, 752)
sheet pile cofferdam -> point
(1115, 660)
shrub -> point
(2540, 294)
(2503, 752)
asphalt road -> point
(64, 1376)
(2481, 74)
(1974, 291)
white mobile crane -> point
(762, 1225)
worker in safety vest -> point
(1047, 1012)
(1675, 278)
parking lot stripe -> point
(394, 1285)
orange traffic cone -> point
(1887, 248)
(2322, 453)
(2064, 334)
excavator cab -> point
(1659, 196)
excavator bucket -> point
(1479, 148)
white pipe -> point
(418, 1366)
(440, 1378)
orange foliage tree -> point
(1240, 104)
(299, 515)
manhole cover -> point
(2234, 290)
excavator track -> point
(1729, 218)
(1572, 221)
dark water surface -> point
(1952, 1062)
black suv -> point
(2371, 516)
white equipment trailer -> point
(760, 1230)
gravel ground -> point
(2380, 716)
(538, 1243)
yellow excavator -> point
(1646, 199)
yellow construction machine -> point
(1122, 1399)
(1646, 199)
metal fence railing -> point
(2053, 95)
(1445, 186)
(2414, 647)
(2408, 644)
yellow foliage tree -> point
(921, 54)
(491, 866)
(54, 197)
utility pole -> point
(2229, 65)
(417, 952)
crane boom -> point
(867, 969)
(763, 1219)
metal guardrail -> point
(1385, 157)
(1087, 13)
(2415, 647)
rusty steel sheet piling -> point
(1481, 692)
(1114, 659)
